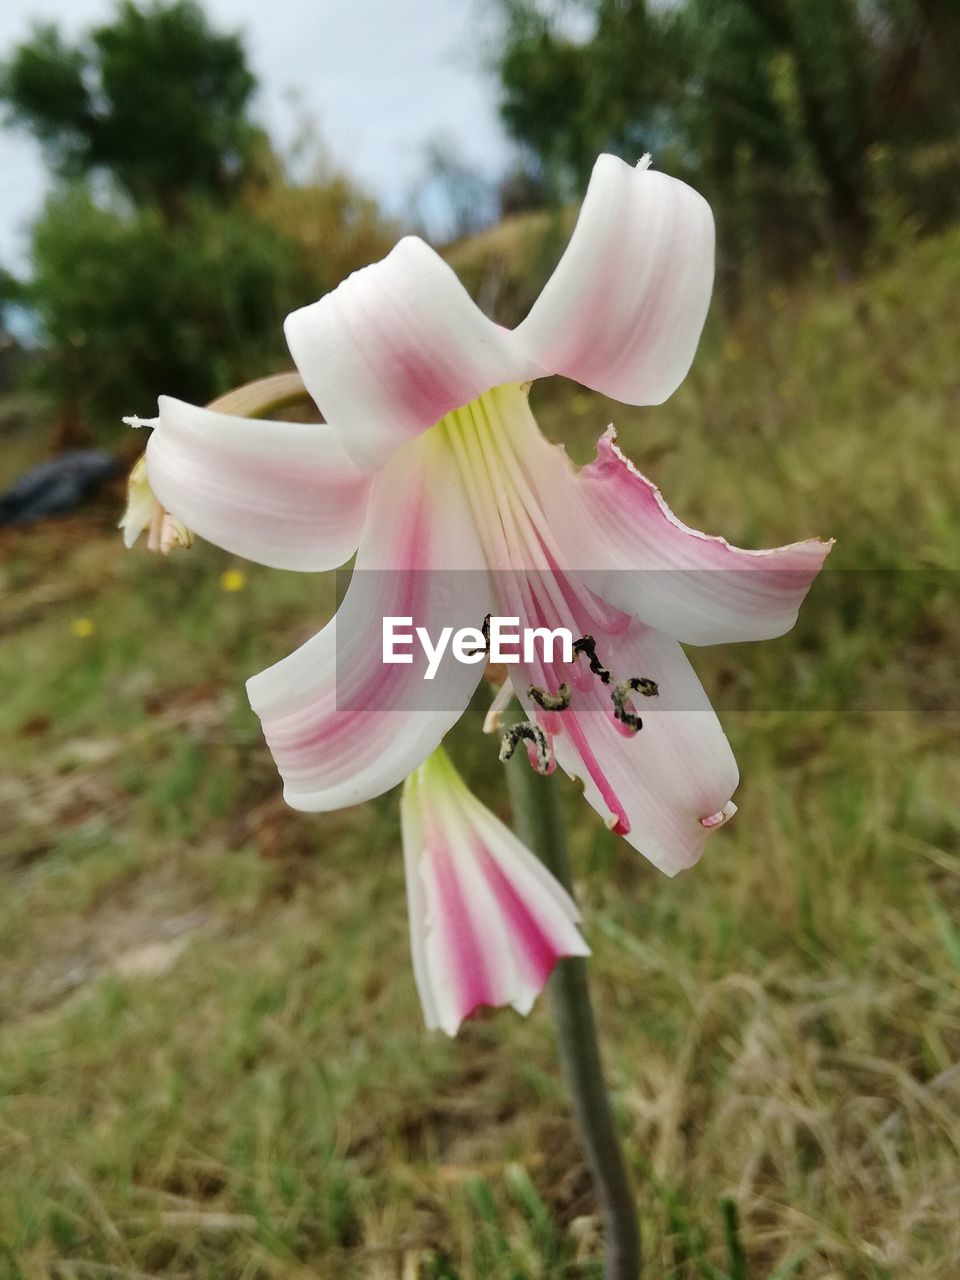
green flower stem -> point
(538, 818)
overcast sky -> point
(380, 77)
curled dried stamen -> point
(533, 733)
(485, 632)
(587, 645)
(548, 701)
(623, 708)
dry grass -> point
(212, 1064)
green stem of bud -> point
(539, 822)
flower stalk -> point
(539, 822)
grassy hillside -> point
(211, 1057)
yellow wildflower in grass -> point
(82, 628)
(233, 580)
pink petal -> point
(342, 726)
(613, 523)
(623, 311)
(660, 787)
(487, 920)
(281, 493)
(396, 346)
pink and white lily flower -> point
(431, 468)
(488, 921)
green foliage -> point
(155, 98)
(335, 227)
(130, 306)
(174, 245)
(773, 107)
(11, 292)
(44, 89)
(544, 84)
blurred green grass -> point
(211, 1057)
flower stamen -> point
(485, 632)
(526, 729)
(587, 645)
(623, 707)
(548, 701)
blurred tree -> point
(155, 98)
(543, 83)
(776, 108)
(521, 189)
(824, 40)
(942, 19)
(175, 242)
(333, 227)
(452, 198)
(129, 306)
(11, 291)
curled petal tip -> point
(618, 823)
(720, 818)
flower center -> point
(497, 445)
(487, 437)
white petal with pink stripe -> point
(396, 346)
(612, 522)
(400, 343)
(660, 787)
(343, 727)
(488, 922)
(282, 494)
(663, 786)
(624, 309)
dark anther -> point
(533, 733)
(485, 632)
(587, 645)
(642, 684)
(623, 708)
(558, 701)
